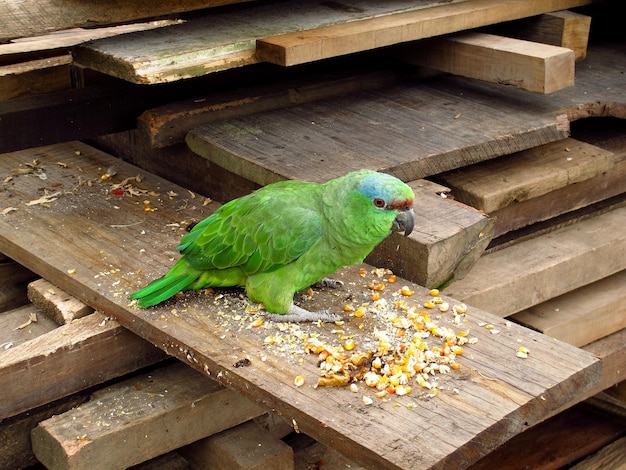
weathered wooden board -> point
(411, 130)
(68, 359)
(223, 40)
(525, 175)
(247, 446)
(532, 66)
(35, 76)
(584, 194)
(140, 418)
(559, 28)
(17, 326)
(558, 442)
(58, 42)
(56, 304)
(113, 243)
(30, 18)
(611, 456)
(533, 271)
(583, 315)
(330, 41)
(169, 124)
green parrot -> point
(286, 237)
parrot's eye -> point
(380, 203)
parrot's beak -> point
(404, 221)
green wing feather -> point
(257, 233)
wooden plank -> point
(29, 18)
(557, 442)
(585, 194)
(17, 326)
(35, 76)
(611, 350)
(583, 315)
(125, 246)
(68, 359)
(559, 28)
(528, 174)
(334, 40)
(528, 273)
(611, 456)
(140, 418)
(12, 272)
(16, 452)
(222, 40)
(532, 66)
(56, 304)
(58, 42)
(168, 124)
(411, 130)
(244, 447)
(12, 296)
(448, 239)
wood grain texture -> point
(222, 40)
(120, 246)
(583, 315)
(330, 41)
(532, 66)
(68, 359)
(141, 418)
(528, 273)
(525, 175)
(30, 18)
(56, 304)
(411, 130)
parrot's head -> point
(386, 198)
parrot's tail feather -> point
(162, 289)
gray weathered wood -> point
(330, 41)
(29, 18)
(121, 246)
(525, 175)
(520, 276)
(583, 315)
(138, 419)
(68, 359)
(412, 130)
(56, 304)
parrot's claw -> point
(328, 282)
(298, 314)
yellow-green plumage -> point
(285, 237)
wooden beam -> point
(532, 66)
(56, 304)
(223, 40)
(346, 38)
(493, 185)
(140, 418)
(559, 28)
(584, 315)
(30, 18)
(69, 358)
(34, 77)
(547, 266)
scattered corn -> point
(298, 381)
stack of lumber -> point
(479, 105)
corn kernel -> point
(359, 312)
(298, 381)
(257, 322)
(434, 292)
(348, 344)
(406, 291)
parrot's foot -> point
(328, 282)
(299, 314)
